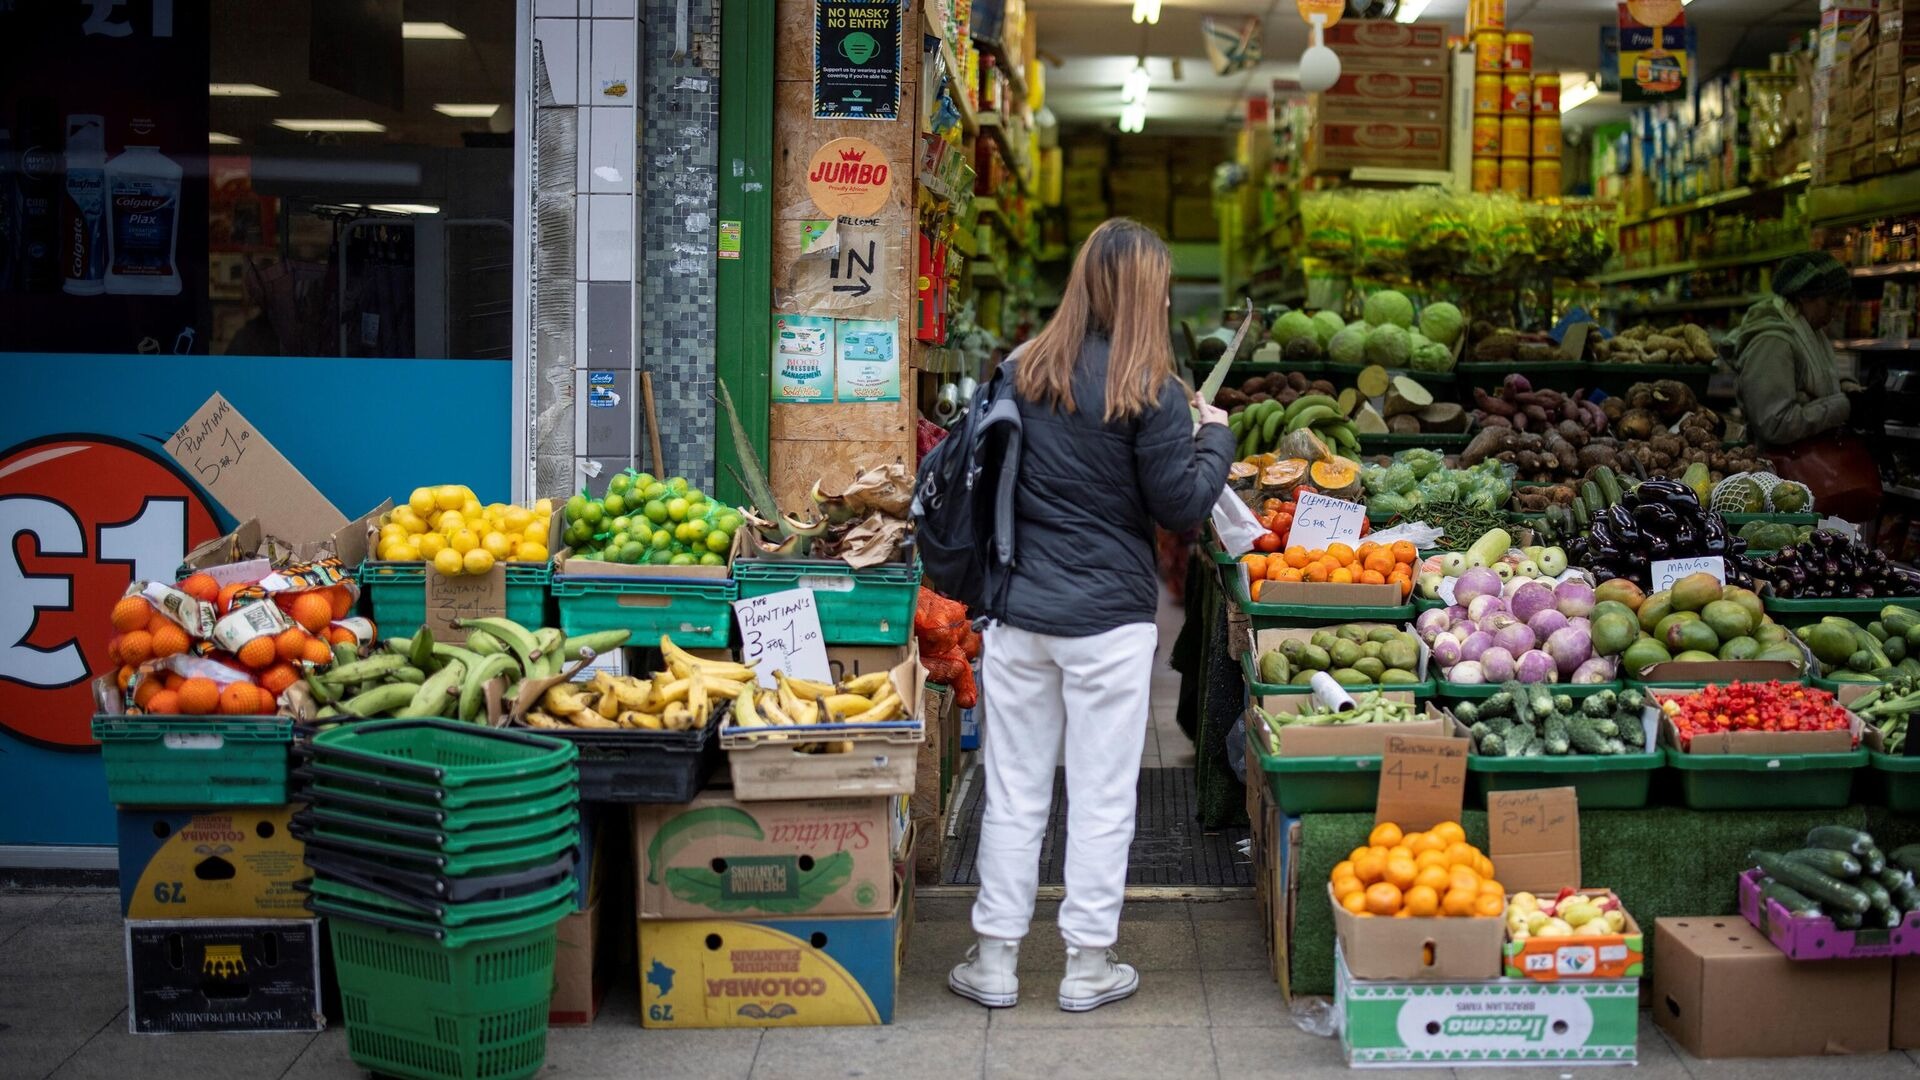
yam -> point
(1372, 381)
(1347, 400)
(1404, 424)
(1406, 396)
(1443, 416)
(1369, 421)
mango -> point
(1613, 632)
(1621, 591)
(1655, 607)
(1695, 591)
(1644, 653)
(1739, 648)
(1747, 599)
(1727, 619)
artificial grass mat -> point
(1662, 861)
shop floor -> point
(1170, 847)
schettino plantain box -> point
(717, 857)
(232, 863)
(838, 971)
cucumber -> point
(1590, 495)
(1788, 897)
(1907, 858)
(1609, 484)
(1837, 864)
(1873, 861)
(1877, 894)
(1882, 918)
(1895, 878)
(1907, 897)
(1837, 895)
(1846, 920)
(1840, 838)
(1580, 514)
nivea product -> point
(143, 222)
(83, 242)
(36, 182)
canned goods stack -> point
(1486, 22)
(1516, 113)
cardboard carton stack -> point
(1896, 76)
(1083, 186)
(1371, 118)
(1842, 57)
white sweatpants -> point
(1035, 688)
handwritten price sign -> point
(1667, 571)
(1319, 521)
(781, 632)
(1423, 780)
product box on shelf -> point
(772, 763)
(1815, 937)
(237, 863)
(213, 975)
(1384, 142)
(1489, 1021)
(1367, 94)
(799, 971)
(718, 857)
(1533, 838)
(1387, 45)
(579, 976)
(1721, 989)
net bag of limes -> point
(443, 857)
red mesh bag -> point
(946, 668)
(965, 693)
(940, 623)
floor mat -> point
(1169, 845)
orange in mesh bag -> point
(940, 623)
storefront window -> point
(257, 177)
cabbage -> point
(1292, 325)
(1349, 345)
(1432, 356)
(1388, 345)
(1325, 325)
(1388, 306)
(1441, 322)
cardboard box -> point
(790, 972)
(1533, 838)
(1754, 742)
(1381, 143)
(1366, 94)
(1192, 218)
(715, 856)
(235, 863)
(1321, 593)
(938, 715)
(1345, 740)
(579, 979)
(770, 763)
(1906, 1003)
(1386, 45)
(205, 975)
(1722, 990)
(1492, 1021)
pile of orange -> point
(1368, 564)
(1406, 875)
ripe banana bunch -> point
(682, 698)
(868, 699)
(421, 676)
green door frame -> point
(742, 345)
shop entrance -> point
(1171, 849)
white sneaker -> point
(1094, 978)
(988, 975)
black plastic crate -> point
(643, 766)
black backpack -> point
(963, 500)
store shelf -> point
(1903, 431)
(1016, 72)
(1890, 195)
(1886, 269)
(1724, 198)
(1878, 344)
(969, 123)
(1902, 491)
(1704, 304)
(993, 128)
(1692, 265)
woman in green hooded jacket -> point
(1789, 383)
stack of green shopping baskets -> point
(443, 858)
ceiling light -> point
(1413, 9)
(221, 138)
(404, 208)
(240, 89)
(1134, 90)
(1572, 97)
(1146, 11)
(367, 126)
(475, 111)
(1133, 118)
(430, 31)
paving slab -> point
(1165, 999)
(115, 1054)
(18, 909)
(1244, 998)
(1101, 1053)
(1286, 1051)
(620, 1049)
(879, 1052)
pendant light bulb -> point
(1134, 90)
(1319, 65)
(1146, 11)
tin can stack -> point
(1516, 113)
(1493, 126)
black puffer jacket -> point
(1089, 495)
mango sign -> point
(84, 517)
(849, 178)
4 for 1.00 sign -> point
(84, 516)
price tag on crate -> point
(1423, 780)
(781, 632)
(1319, 521)
(1667, 571)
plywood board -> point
(857, 422)
(799, 135)
(798, 463)
(793, 43)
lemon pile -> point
(450, 528)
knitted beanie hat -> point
(1809, 274)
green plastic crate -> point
(1734, 521)
(195, 760)
(1453, 691)
(1305, 785)
(1897, 779)
(1602, 782)
(347, 827)
(698, 614)
(445, 753)
(1445, 442)
(398, 593)
(1422, 691)
(1832, 686)
(1814, 607)
(873, 606)
(1287, 615)
(1346, 373)
(471, 1008)
(1766, 782)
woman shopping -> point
(1789, 386)
(1110, 449)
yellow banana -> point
(591, 720)
(697, 703)
(887, 708)
(838, 705)
(607, 705)
(804, 689)
(770, 708)
(536, 718)
(744, 713)
(563, 699)
(632, 693)
(869, 684)
(678, 717)
(642, 720)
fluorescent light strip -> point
(345, 126)
(1575, 96)
(221, 138)
(1135, 88)
(430, 31)
(1146, 11)
(475, 111)
(240, 89)
(1412, 9)
(404, 208)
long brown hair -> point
(1118, 289)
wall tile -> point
(608, 402)
(610, 9)
(610, 149)
(560, 45)
(609, 323)
(612, 66)
(547, 9)
(583, 156)
(610, 238)
(582, 224)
